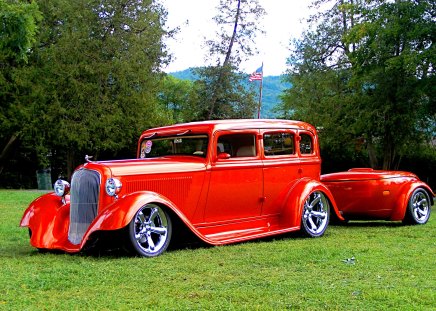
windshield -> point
(195, 145)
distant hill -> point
(273, 86)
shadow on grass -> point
(110, 248)
(115, 244)
(110, 245)
(121, 252)
(369, 223)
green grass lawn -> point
(393, 269)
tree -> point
(92, 79)
(18, 29)
(239, 24)
(102, 86)
(392, 66)
(223, 93)
(363, 74)
(180, 98)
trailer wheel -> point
(418, 208)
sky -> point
(284, 20)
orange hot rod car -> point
(226, 181)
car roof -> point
(233, 124)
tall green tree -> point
(18, 31)
(364, 73)
(393, 65)
(103, 82)
(92, 79)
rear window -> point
(278, 144)
(306, 144)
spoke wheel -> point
(418, 208)
(316, 214)
(150, 231)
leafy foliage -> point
(180, 98)
(363, 75)
(101, 81)
(92, 78)
(18, 29)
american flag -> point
(257, 75)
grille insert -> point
(85, 191)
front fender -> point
(403, 199)
(298, 194)
(47, 217)
(121, 212)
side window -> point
(237, 145)
(306, 144)
(278, 144)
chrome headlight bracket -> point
(113, 187)
(61, 188)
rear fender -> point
(403, 199)
(298, 194)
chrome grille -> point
(85, 190)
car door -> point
(236, 177)
(281, 168)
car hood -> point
(151, 166)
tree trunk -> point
(7, 149)
(215, 93)
(371, 154)
(226, 62)
(235, 27)
(388, 151)
(70, 163)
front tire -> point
(316, 214)
(150, 231)
(418, 208)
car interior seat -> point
(246, 151)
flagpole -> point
(260, 95)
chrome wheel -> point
(315, 216)
(418, 209)
(150, 231)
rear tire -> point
(316, 214)
(150, 231)
(418, 208)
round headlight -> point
(61, 187)
(113, 186)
